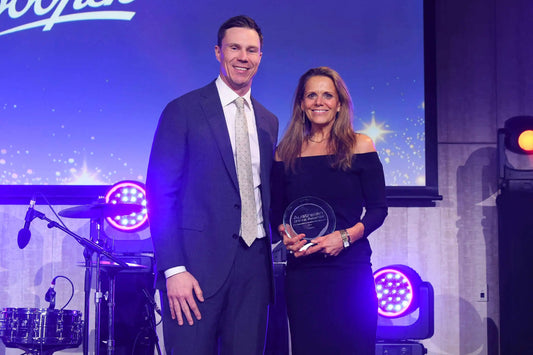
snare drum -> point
(29, 328)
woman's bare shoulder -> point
(363, 144)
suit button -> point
(237, 206)
(235, 236)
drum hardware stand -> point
(96, 230)
(90, 248)
(95, 236)
(87, 254)
(111, 312)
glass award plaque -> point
(311, 216)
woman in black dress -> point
(331, 298)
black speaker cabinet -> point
(515, 244)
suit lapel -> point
(214, 114)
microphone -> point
(151, 301)
(50, 295)
(24, 234)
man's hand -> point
(181, 300)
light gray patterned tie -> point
(244, 174)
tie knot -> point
(240, 102)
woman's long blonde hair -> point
(342, 138)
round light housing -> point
(396, 288)
(519, 134)
(128, 192)
(525, 140)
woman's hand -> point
(293, 244)
(329, 245)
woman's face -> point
(320, 101)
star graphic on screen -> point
(375, 130)
(86, 177)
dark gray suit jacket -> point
(192, 187)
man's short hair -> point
(242, 21)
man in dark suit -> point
(215, 286)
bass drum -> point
(41, 329)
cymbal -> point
(101, 210)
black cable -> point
(149, 328)
(51, 294)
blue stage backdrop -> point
(83, 82)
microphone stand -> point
(90, 248)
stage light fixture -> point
(394, 288)
(518, 132)
(405, 304)
(516, 137)
(128, 192)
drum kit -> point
(44, 331)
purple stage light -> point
(396, 290)
(128, 192)
(405, 304)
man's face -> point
(239, 56)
